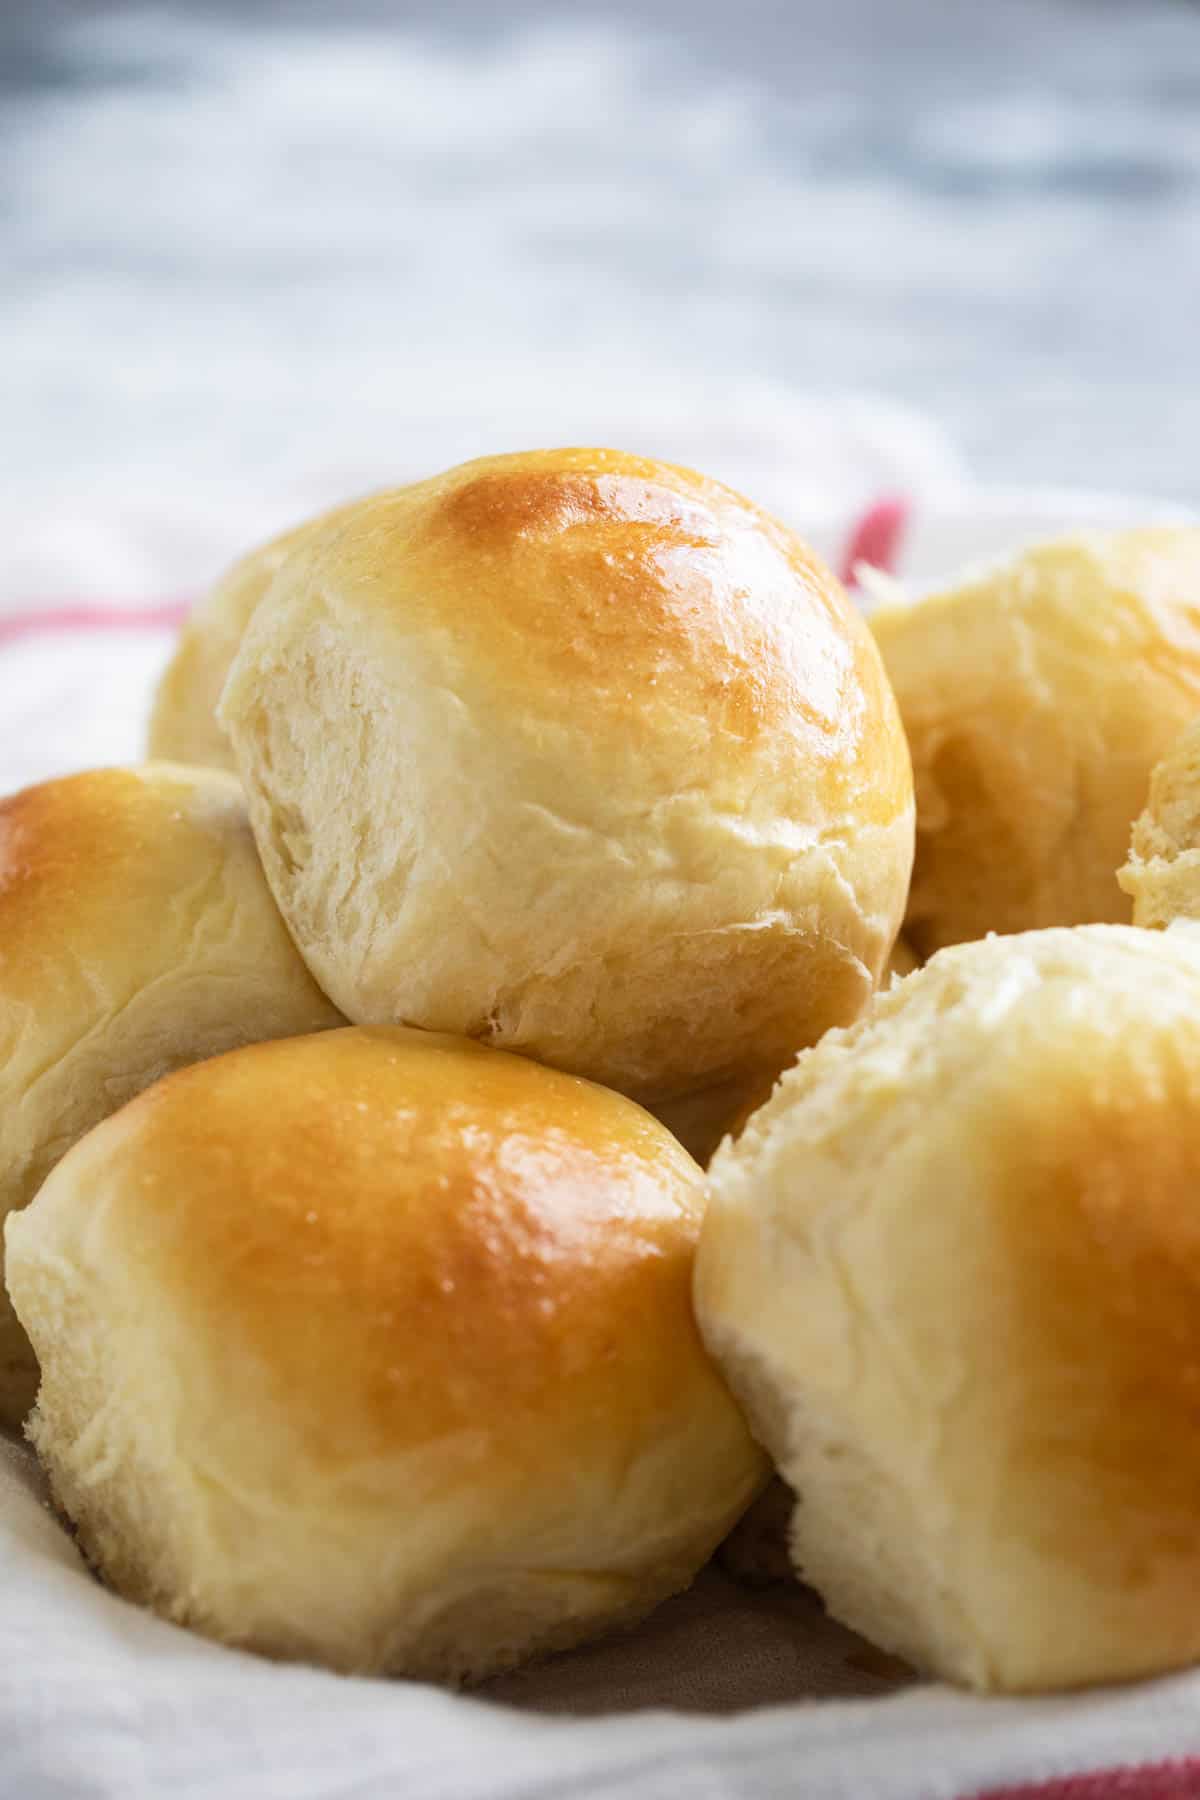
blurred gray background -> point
(258, 248)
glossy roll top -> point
(377, 1349)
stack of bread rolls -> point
(549, 822)
(376, 1346)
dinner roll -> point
(1163, 871)
(136, 934)
(1037, 698)
(376, 1348)
(183, 724)
(582, 755)
(952, 1269)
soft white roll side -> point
(952, 1269)
(183, 722)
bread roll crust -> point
(622, 786)
(1037, 698)
(183, 720)
(953, 1270)
(377, 1349)
(137, 934)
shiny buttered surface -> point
(952, 1269)
(581, 755)
(377, 1348)
(1037, 699)
(137, 934)
(1162, 875)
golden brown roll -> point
(1037, 698)
(376, 1348)
(582, 755)
(952, 1269)
(183, 723)
(1162, 875)
(136, 934)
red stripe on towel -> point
(1174, 1780)
(55, 619)
(876, 538)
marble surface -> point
(251, 256)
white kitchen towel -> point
(725, 1694)
(100, 1699)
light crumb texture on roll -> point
(183, 721)
(1037, 698)
(1162, 875)
(952, 1269)
(137, 934)
(581, 755)
(376, 1349)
